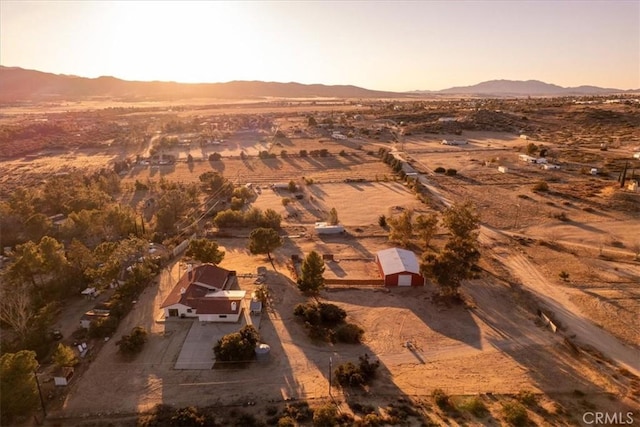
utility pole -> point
(44, 410)
(330, 371)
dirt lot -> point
(583, 225)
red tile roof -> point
(195, 284)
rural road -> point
(558, 302)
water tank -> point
(262, 352)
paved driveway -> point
(197, 349)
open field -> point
(584, 225)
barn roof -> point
(397, 260)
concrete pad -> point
(197, 349)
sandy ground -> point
(495, 345)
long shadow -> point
(324, 358)
(217, 166)
(335, 268)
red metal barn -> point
(399, 267)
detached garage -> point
(399, 267)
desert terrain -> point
(494, 345)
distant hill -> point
(18, 84)
(525, 88)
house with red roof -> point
(203, 292)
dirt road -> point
(557, 300)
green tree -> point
(292, 186)
(64, 356)
(312, 279)
(270, 219)
(205, 250)
(426, 225)
(462, 220)
(134, 342)
(532, 149)
(333, 217)
(264, 241)
(18, 388)
(325, 416)
(401, 229)
(37, 226)
(461, 252)
(238, 346)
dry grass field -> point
(494, 344)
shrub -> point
(342, 153)
(541, 186)
(286, 421)
(292, 187)
(303, 153)
(238, 346)
(286, 201)
(214, 157)
(382, 221)
(564, 275)
(440, 169)
(237, 203)
(188, 417)
(475, 406)
(348, 375)
(325, 416)
(349, 333)
(133, 343)
(527, 397)
(331, 314)
(284, 154)
(441, 398)
(451, 172)
(515, 414)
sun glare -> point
(181, 42)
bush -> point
(564, 275)
(284, 154)
(331, 314)
(440, 169)
(303, 153)
(382, 221)
(325, 416)
(134, 342)
(527, 397)
(451, 172)
(350, 375)
(441, 398)
(349, 333)
(214, 157)
(238, 346)
(286, 421)
(188, 417)
(475, 406)
(541, 186)
(515, 414)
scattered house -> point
(594, 171)
(280, 186)
(446, 119)
(399, 267)
(541, 161)
(503, 169)
(202, 293)
(90, 293)
(633, 186)
(454, 142)
(523, 136)
(62, 376)
(338, 135)
(255, 306)
(549, 166)
(325, 228)
(636, 155)
(527, 158)
(99, 311)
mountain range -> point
(18, 84)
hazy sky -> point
(380, 45)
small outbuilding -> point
(399, 267)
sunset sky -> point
(397, 46)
